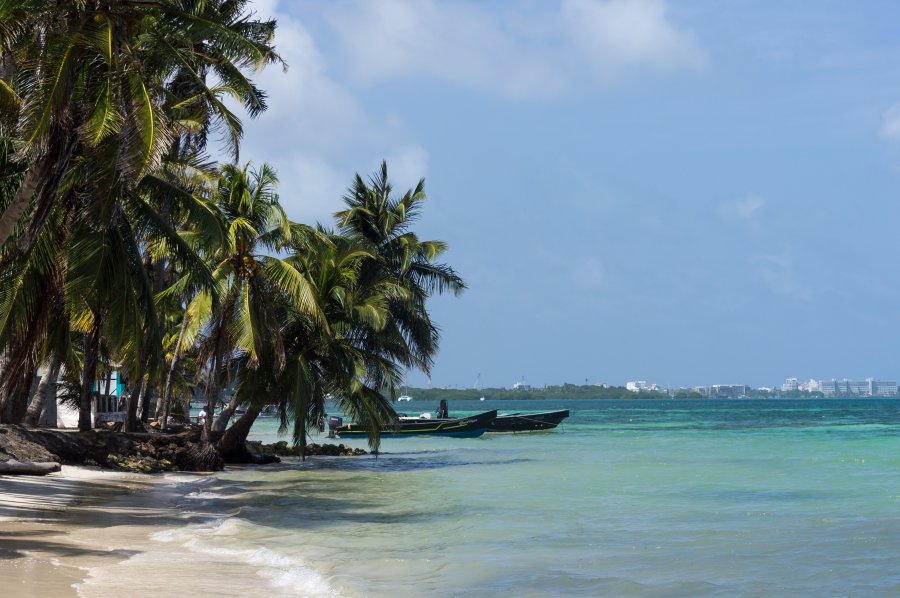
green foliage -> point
(124, 247)
(560, 392)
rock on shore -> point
(139, 452)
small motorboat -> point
(461, 427)
(527, 422)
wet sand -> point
(55, 529)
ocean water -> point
(626, 498)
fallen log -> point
(27, 468)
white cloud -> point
(307, 108)
(621, 34)
(407, 165)
(315, 132)
(310, 187)
(745, 208)
(516, 52)
(460, 43)
(890, 122)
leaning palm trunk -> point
(167, 389)
(16, 208)
(43, 177)
(221, 422)
(89, 373)
(231, 444)
(46, 388)
(17, 401)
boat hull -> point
(528, 422)
(463, 427)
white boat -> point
(478, 386)
(404, 398)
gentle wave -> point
(204, 495)
(281, 570)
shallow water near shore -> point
(641, 498)
(627, 498)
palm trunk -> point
(131, 419)
(134, 397)
(146, 400)
(4, 407)
(222, 421)
(235, 436)
(159, 272)
(4, 365)
(58, 163)
(212, 395)
(44, 173)
(167, 390)
(50, 414)
(89, 373)
(47, 385)
(18, 384)
(16, 208)
(212, 385)
(18, 400)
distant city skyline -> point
(870, 386)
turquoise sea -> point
(626, 498)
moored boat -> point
(527, 422)
(461, 427)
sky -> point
(686, 193)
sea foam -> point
(282, 571)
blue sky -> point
(679, 192)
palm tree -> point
(129, 80)
(251, 282)
(383, 222)
(323, 355)
(372, 283)
(90, 72)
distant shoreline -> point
(611, 393)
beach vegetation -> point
(126, 249)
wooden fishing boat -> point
(527, 422)
(461, 427)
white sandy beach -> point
(55, 529)
(96, 533)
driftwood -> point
(27, 468)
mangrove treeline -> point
(559, 392)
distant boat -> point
(269, 411)
(527, 422)
(404, 397)
(462, 427)
(478, 385)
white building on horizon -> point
(790, 385)
(870, 387)
(640, 386)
